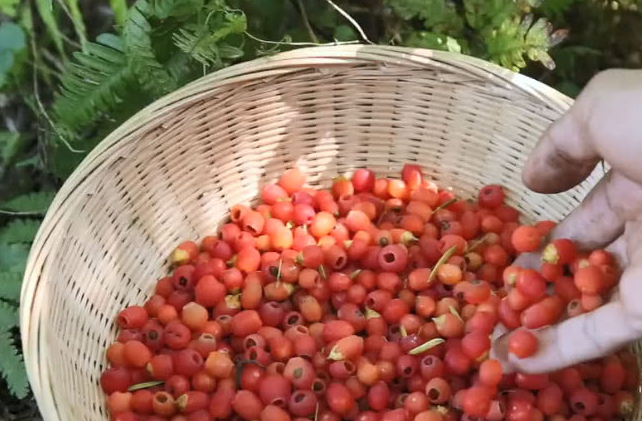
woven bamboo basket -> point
(172, 172)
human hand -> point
(604, 123)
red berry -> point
(522, 343)
(526, 239)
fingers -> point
(603, 123)
(562, 158)
(582, 338)
(595, 222)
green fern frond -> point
(12, 367)
(31, 202)
(9, 7)
(50, 19)
(8, 316)
(10, 285)
(149, 71)
(513, 40)
(439, 16)
(202, 41)
(164, 9)
(13, 257)
(19, 231)
(94, 84)
(120, 10)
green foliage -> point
(12, 50)
(503, 30)
(9, 7)
(8, 316)
(19, 231)
(11, 144)
(203, 43)
(120, 10)
(12, 367)
(77, 20)
(513, 39)
(36, 203)
(151, 74)
(162, 45)
(95, 83)
(49, 17)
(15, 239)
(10, 284)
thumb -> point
(563, 157)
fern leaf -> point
(46, 12)
(164, 9)
(437, 15)
(13, 257)
(10, 285)
(77, 20)
(513, 39)
(8, 316)
(8, 7)
(19, 231)
(95, 84)
(31, 202)
(12, 367)
(202, 42)
(119, 7)
(149, 71)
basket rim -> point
(31, 302)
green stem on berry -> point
(371, 314)
(454, 312)
(145, 385)
(443, 259)
(426, 346)
(408, 237)
(278, 273)
(445, 204)
(478, 243)
(321, 271)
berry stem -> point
(426, 346)
(443, 259)
(445, 204)
(145, 385)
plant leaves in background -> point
(119, 7)
(10, 145)
(37, 202)
(12, 367)
(9, 7)
(12, 43)
(49, 18)
(19, 231)
(10, 285)
(8, 316)
(13, 257)
(77, 19)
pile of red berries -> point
(371, 301)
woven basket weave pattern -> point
(172, 172)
